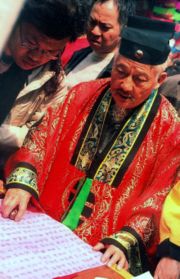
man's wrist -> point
(23, 177)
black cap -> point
(146, 41)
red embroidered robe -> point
(126, 214)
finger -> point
(126, 267)
(122, 262)
(98, 246)
(107, 255)
(114, 259)
(13, 214)
(8, 207)
(20, 212)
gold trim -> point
(25, 177)
(126, 239)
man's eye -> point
(55, 52)
(104, 27)
(121, 72)
(91, 23)
(140, 79)
(31, 44)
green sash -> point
(73, 216)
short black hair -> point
(125, 8)
(56, 19)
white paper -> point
(146, 275)
(39, 247)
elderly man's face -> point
(103, 30)
(30, 48)
(132, 82)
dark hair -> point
(56, 19)
(125, 8)
(52, 85)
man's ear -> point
(162, 77)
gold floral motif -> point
(85, 160)
(145, 228)
(76, 135)
(90, 205)
(153, 202)
(101, 210)
(130, 187)
(91, 140)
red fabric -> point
(138, 199)
(71, 47)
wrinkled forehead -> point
(132, 67)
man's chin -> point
(96, 46)
(124, 103)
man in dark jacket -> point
(103, 34)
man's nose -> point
(96, 31)
(38, 52)
(127, 84)
(38, 55)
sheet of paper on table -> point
(146, 275)
(38, 247)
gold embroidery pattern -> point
(102, 208)
(23, 176)
(130, 184)
(90, 205)
(145, 228)
(37, 142)
(91, 141)
(122, 146)
(124, 143)
(154, 201)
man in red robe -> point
(104, 161)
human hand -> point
(167, 268)
(112, 255)
(15, 203)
